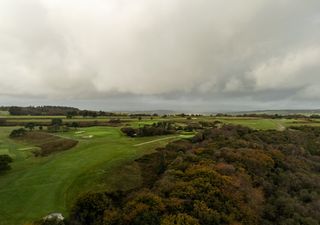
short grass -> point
(38, 186)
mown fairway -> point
(38, 186)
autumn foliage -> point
(232, 175)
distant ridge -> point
(150, 112)
(279, 112)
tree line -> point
(54, 111)
(160, 128)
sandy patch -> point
(28, 148)
(160, 139)
(79, 132)
(87, 137)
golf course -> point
(38, 186)
(101, 160)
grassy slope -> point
(37, 186)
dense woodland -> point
(160, 128)
(40, 110)
(231, 175)
(53, 111)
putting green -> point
(38, 186)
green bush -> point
(5, 160)
(17, 133)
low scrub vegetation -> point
(18, 133)
(46, 142)
(5, 161)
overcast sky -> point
(193, 55)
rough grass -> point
(48, 143)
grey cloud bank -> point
(149, 54)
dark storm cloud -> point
(204, 54)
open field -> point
(265, 124)
(38, 186)
(253, 122)
(8, 120)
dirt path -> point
(280, 127)
(160, 139)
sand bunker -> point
(87, 137)
(79, 132)
(28, 148)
